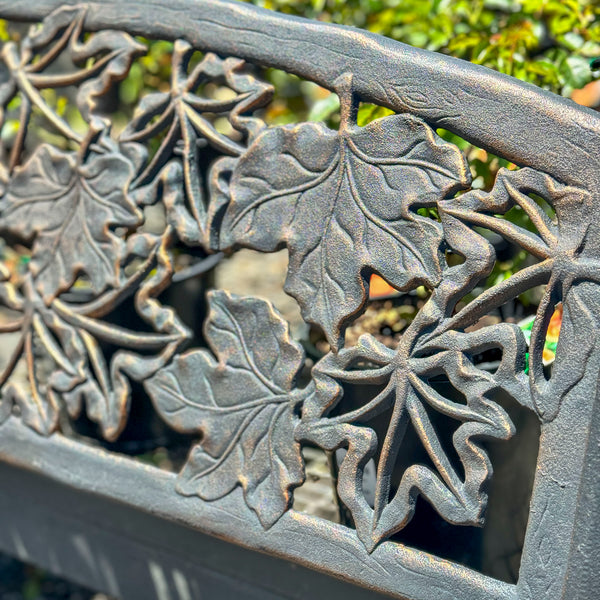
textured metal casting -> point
(346, 204)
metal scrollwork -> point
(343, 202)
(346, 204)
(349, 202)
(243, 405)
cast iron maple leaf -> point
(345, 205)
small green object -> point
(595, 63)
(528, 326)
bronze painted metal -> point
(345, 203)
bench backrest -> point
(87, 320)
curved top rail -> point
(516, 120)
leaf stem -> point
(497, 295)
(17, 149)
(380, 403)
(36, 98)
(104, 304)
(348, 101)
(113, 333)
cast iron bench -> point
(88, 321)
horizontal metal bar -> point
(97, 486)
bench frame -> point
(135, 531)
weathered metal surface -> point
(346, 204)
(144, 489)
